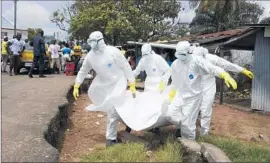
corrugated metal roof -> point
(205, 40)
(258, 25)
(227, 33)
(243, 41)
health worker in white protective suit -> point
(109, 86)
(187, 72)
(156, 69)
(209, 85)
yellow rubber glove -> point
(132, 88)
(248, 73)
(172, 95)
(161, 86)
(229, 81)
(76, 91)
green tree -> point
(120, 20)
(180, 30)
(204, 22)
(209, 18)
(32, 32)
(155, 16)
(107, 16)
(62, 18)
(265, 21)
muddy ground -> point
(86, 130)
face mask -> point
(146, 56)
(94, 44)
(181, 56)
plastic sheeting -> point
(105, 99)
(148, 110)
(152, 83)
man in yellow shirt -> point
(4, 53)
(77, 49)
(123, 52)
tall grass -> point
(136, 152)
(239, 151)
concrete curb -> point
(213, 153)
(56, 127)
(192, 150)
(54, 133)
(204, 152)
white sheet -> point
(146, 111)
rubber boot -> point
(110, 143)
(154, 130)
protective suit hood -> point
(183, 51)
(96, 41)
(146, 51)
(200, 51)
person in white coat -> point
(187, 72)
(109, 86)
(209, 85)
(156, 69)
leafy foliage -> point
(121, 20)
(32, 32)
(265, 21)
(63, 17)
(223, 15)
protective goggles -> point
(94, 41)
(180, 53)
(146, 54)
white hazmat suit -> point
(156, 69)
(187, 73)
(108, 88)
(209, 85)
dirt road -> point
(87, 129)
(239, 124)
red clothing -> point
(132, 63)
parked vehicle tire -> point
(48, 71)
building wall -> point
(261, 67)
(10, 33)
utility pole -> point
(57, 35)
(15, 16)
